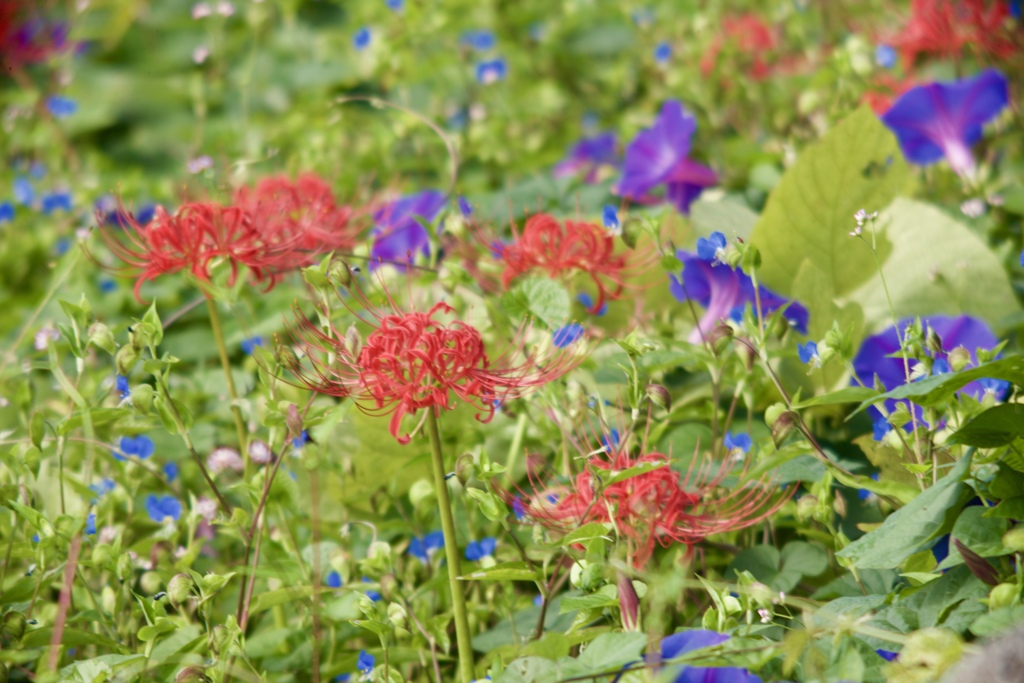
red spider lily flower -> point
(658, 505)
(749, 35)
(942, 28)
(298, 218)
(566, 248)
(414, 360)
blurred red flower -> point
(748, 35)
(942, 28)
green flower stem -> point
(451, 549)
(222, 350)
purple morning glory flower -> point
(478, 550)
(423, 548)
(662, 53)
(721, 290)
(60, 106)
(361, 39)
(659, 156)
(684, 642)
(740, 441)
(171, 471)
(808, 353)
(23, 191)
(465, 208)
(712, 248)
(6, 212)
(334, 580)
(588, 302)
(480, 40)
(139, 446)
(491, 71)
(366, 662)
(940, 550)
(944, 119)
(160, 508)
(54, 201)
(398, 236)
(885, 56)
(249, 345)
(564, 336)
(589, 154)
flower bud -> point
(464, 468)
(806, 506)
(1003, 595)
(14, 625)
(150, 582)
(388, 585)
(124, 567)
(934, 649)
(125, 359)
(719, 334)
(783, 425)
(761, 593)
(1014, 539)
(659, 396)
(293, 420)
(353, 341)
(101, 337)
(839, 504)
(958, 358)
(142, 398)
(339, 273)
(397, 615)
(933, 342)
(108, 600)
(379, 553)
(192, 674)
(629, 603)
(179, 588)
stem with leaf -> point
(222, 351)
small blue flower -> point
(366, 662)
(662, 53)
(480, 40)
(122, 386)
(610, 218)
(373, 595)
(940, 367)
(300, 440)
(564, 336)
(342, 678)
(611, 440)
(478, 550)
(465, 207)
(1021, 253)
(107, 286)
(334, 580)
(249, 345)
(171, 471)
(361, 40)
(23, 191)
(62, 246)
(538, 600)
(809, 353)
(7, 213)
(90, 524)
(864, 494)
(61, 106)
(491, 71)
(588, 303)
(880, 427)
(140, 446)
(885, 56)
(101, 488)
(517, 509)
(423, 548)
(55, 201)
(741, 442)
(997, 387)
(395, 5)
(162, 508)
(35, 538)
(712, 249)
(552, 498)
(886, 655)
(37, 170)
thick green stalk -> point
(222, 350)
(451, 549)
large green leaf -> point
(539, 297)
(904, 532)
(998, 426)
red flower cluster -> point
(943, 27)
(658, 505)
(25, 37)
(272, 229)
(561, 249)
(411, 361)
(748, 35)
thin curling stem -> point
(222, 350)
(451, 549)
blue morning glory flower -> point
(684, 642)
(372, 594)
(6, 212)
(885, 56)
(395, 5)
(171, 471)
(162, 508)
(588, 303)
(366, 662)
(398, 234)
(662, 53)
(996, 387)
(491, 71)
(480, 40)
(465, 207)
(90, 524)
(741, 441)
(589, 154)
(54, 201)
(517, 509)
(712, 249)
(249, 345)
(140, 446)
(334, 580)
(1021, 253)
(809, 353)
(610, 218)
(478, 550)
(23, 191)
(62, 246)
(121, 384)
(61, 107)
(552, 498)
(107, 286)
(945, 119)
(361, 39)
(564, 336)
(940, 367)
(423, 548)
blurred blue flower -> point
(361, 39)
(23, 191)
(712, 248)
(611, 440)
(90, 523)
(538, 600)
(160, 508)
(395, 5)
(342, 678)
(107, 286)
(684, 642)
(37, 170)
(864, 494)
(465, 208)
(61, 107)
(880, 427)
(588, 303)
(885, 56)
(589, 154)
(517, 509)
(997, 387)
(54, 201)
(481, 39)
(537, 30)
(119, 217)
(35, 539)
(6, 212)
(366, 662)
(121, 384)
(373, 595)
(659, 156)
(564, 336)
(741, 441)
(940, 549)
(945, 119)
(610, 218)
(398, 235)
(491, 71)
(171, 471)
(1016, 9)
(886, 655)
(642, 17)
(478, 550)
(140, 446)
(423, 548)
(62, 246)
(300, 440)
(249, 345)
(662, 53)
(334, 580)
(101, 488)
(809, 353)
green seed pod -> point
(14, 625)
(125, 359)
(124, 567)
(150, 582)
(659, 396)
(958, 358)
(179, 588)
(1003, 595)
(1014, 539)
(101, 337)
